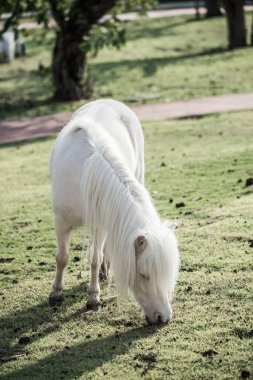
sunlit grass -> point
(201, 162)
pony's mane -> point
(117, 205)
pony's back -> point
(94, 126)
(124, 128)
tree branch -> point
(85, 13)
(58, 13)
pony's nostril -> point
(159, 319)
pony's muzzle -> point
(158, 319)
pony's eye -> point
(144, 276)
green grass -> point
(166, 59)
(201, 162)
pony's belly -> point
(68, 207)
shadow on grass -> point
(164, 26)
(19, 144)
(154, 32)
(34, 323)
(34, 318)
(25, 100)
(72, 362)
(149, 66)
(27, 90)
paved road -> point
(30, 128)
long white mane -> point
(117, 205)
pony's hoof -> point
(102, 276)
(93, 306)
(55, 297)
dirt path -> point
(30, 128)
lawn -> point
(165, 59)
(203, 163)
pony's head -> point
(146, 262)
(157, 265)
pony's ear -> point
(170, 225)
(140, 244)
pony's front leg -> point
(62, 257)
(95, 260)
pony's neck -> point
(148, 211)
(113, 198)
(136, 210)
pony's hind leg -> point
(104, 269)
(63, 235)
(95, 261)
(105, 266)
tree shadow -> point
(27, 90)
(40, 320)
(31, 324)
(71, 362)
(19, 144)
(28, 101)
(154, 32)
(150, 66)
(37, 317)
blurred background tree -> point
(74, 21)
(252, 30)
(236, 23)
(234, 12)
(78, 30)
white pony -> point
(97, 171)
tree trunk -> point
(212, 8)
(75, 20)
(197, 13)
(235, 23)
(252, 29)
(68, 67)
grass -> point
(201, 162)
(166, 59)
